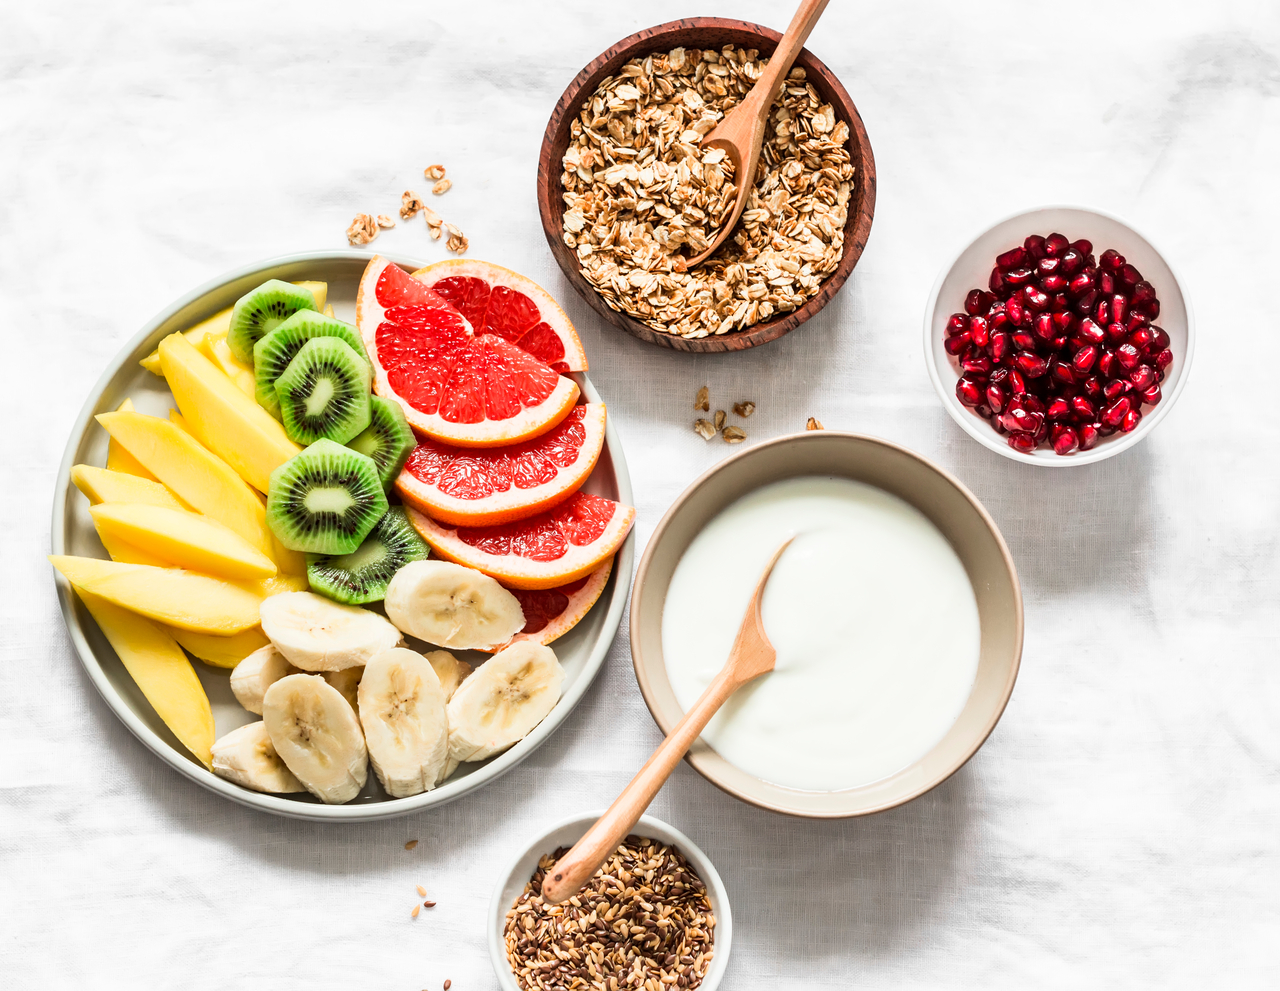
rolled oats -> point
(733, 435)
(410, 204)
(639, 189)
(442, 187)
(702, 400)
(385, 222)
(433, 172)
(362, 230)
(744, 410)
(704, 428)
(457, 242)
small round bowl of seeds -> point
(626, 193)
(656, 914)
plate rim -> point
(623, 568)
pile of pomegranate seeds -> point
(1061, 349)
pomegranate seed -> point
(1111, 260)
(1152, 309)
(1164, 359)
(1061, 303)
(1084, 247)
(980, 365)
(1034, 298)
(1043, 326)
(1058, 409)
(995, 398)
(1107, 283)
(1017, 417)
(1091, 332)
(1114, 389)
(1034, 246)
(973, 302)
(1055, 244)
(1063, 373)
(1018, 277)
(1082, 408)
(1142, 377)
(1102, 312)
(1030, 364)
(957, 323)
(999, 345)
(1119, 307)
(1016, 311)
(1107, 366)
(1084, 305)
(1116, 333)
(1047, 266)
(1059, 342)
(1093, 387)
(1151, 394)
(1115, 413)
(1084, 359)
(1135, 320)
(1026, 443)
(968, 392)
(1130, 420)
(1065, 440)
(1053, 283)
(1141, 338)
(997, 318)
(1063, 323)
(996, 282)
(979, 331)
(1014, 258)
(1088, 435)
(1081, 284)
(1143, 292)
(1017, 384)
(1159, 339)
(1129, 277)
(954, 345)
(1072, 262)
(1024, 341)
(1128, 356)
(1033, 404)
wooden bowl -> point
(704, 32)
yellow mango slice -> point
(228, 422)
(328, 311)
(320, 290)
(187, 540)
(118, 459)
(169, 595)
(221, 652)
(156, 662)
(218, 351)
(264, 588)
(126, 553)
(214, 325)
(176, 419)
(196, 475)
(104, 485)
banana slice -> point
(317, 736)
(346, 681)
(402, 709)
(318, 634)
(451, 671)
(452, 606)
(251, 678)
(500, 704)
(450, 765)
(247, 757)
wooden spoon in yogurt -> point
(752, 655)
(741, 133)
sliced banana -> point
(402, 709)
(251, 678)
(317, 736)
(318, 634)
(450, 765)
(247, 757)
(451, 671)
(452, 606)
(500, 704)
(346, 681)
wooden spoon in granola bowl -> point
(741, 133)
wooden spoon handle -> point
(575, 868)
(793, 40)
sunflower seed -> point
(734, 435)
(744, 409)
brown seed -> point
(411, 844)
(702, 400)
(447, 984)
(744, 409)
(719, 418)
(422, 892)
(814, 424)
(428, 904)
(704, 428)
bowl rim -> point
(661, 831)
(987, 437)
(855, 236)
(698, 760)
(197, 773)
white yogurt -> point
(873, 618)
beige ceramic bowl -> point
(940, 497)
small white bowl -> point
(971, 270)
(568, 832)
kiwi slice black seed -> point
(388, 439)
(363, 575)
(274, 351)
(324, 393)
(325, 500)
(262, 311)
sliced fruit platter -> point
(352, 540)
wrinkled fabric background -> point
(1120, 828)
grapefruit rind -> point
(515, 503)
(530, 422)
(578, 561)
(575, 357)
(580, 603)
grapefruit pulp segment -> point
(550, 613)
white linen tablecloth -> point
(1122, 826)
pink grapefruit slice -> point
(485, 486)
(499, 301)
(550, 613)
(456, 386)
(553, 548)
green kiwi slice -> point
(388, 440)
(274, 351)
(325, 500)
(263, 310)
(363, 575)
(324, 392)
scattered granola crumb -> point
(814, 424)
(702, 400)
(422, 892)
(442, 187)
(410, 204)
(362, 230)
(385, 222)
(434, 172)
(744, 410)
(704, 429)
(734, 435)
(719, 418)
(411, 844)
(457, 242)
(416, 910)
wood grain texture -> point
(704, 32)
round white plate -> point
(581, 651)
